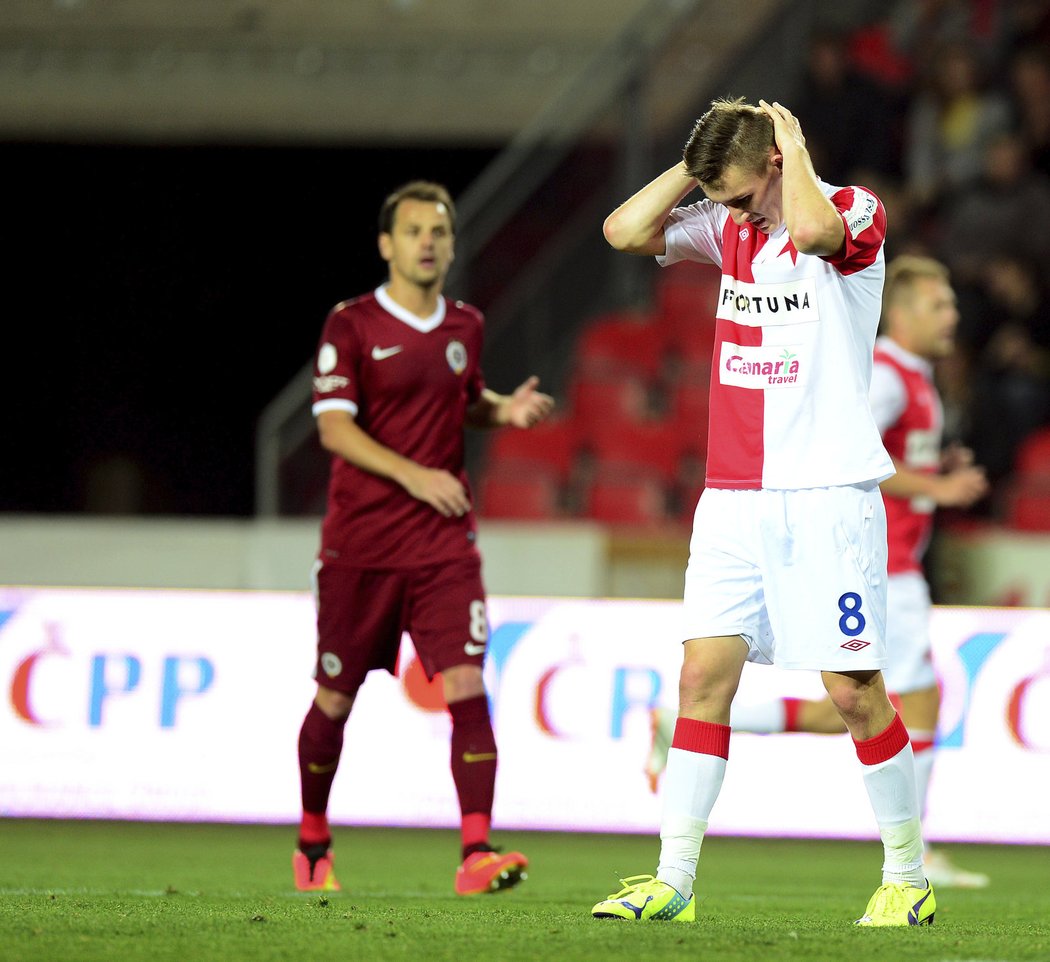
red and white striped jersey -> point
(908, 412)
(793, 347)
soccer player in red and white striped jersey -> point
(918, 328)
(788, 554)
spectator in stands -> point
(842, 107)
(984, 221)
(950, 121)
(916, 27)
(1011, 338)
(1030, 83)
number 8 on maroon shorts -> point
(361, 613)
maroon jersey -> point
(908, 412)
(408, 382)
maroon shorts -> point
(362, 612)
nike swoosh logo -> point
(479, 757)
(382, 353)
(322, 769)
(471, 649)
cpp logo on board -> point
(981, 682)
(51, 685)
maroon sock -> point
(320, 744)
(473, 766)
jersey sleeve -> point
(475, 378)
(694, 233)
(864, 218)
(335, 383)
(887, 395)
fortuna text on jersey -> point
(758, 305)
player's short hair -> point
(901, 274)
(426, 190)
(905, 269)
(732, 133)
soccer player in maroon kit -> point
(397, 378)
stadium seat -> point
(1027, 502)
(651, 446)
(683, 298)
(597, 399)
(626, 497)
(511, 493)
(689, 405)
(620, 344)
(551, 444)
(1033, 455)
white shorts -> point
(909, 666)
(800, 575)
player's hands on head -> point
(441, 490)
(527, 406)
(787, 131)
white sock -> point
(692, 782)
(923, 766)
(760, 717)
(895, 802)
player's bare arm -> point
(637, 225)
(525, 408)
(959, 488)
(341, 435)
(813, 224)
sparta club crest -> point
(456, 355)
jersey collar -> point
(902, 356)
(422, 324)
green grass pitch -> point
(110, 891)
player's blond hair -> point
(732, 133)
(426, 190)
(902, 273)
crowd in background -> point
(943, 108)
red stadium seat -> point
(596, 400)
(689, 406)
(552, 444)
(687, 296)
(650, 446)
(635, 498)
(519, 495)
(618, 345)
(1033, 455)
(1027, 503)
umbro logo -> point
(745, 233)
(855, 645)
(382, 353)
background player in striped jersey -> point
(398, 376)
(788, 554)
(918, 328)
